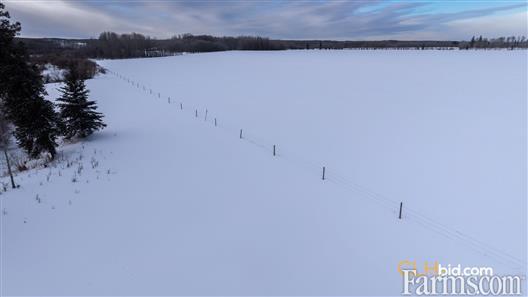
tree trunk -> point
(9, 169)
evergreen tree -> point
(22, 94)
(8, 31)
(38, 133)
(79, 118)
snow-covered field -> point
(163, 202)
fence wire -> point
(332, 176)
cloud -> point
(496, 25)
(275, 19)
(63, 18)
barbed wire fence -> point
(333, 176)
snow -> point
(52, 73)
(169, 204)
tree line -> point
(25, 114)
(111, 45)
(501, 42)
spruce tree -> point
(38, 133)
(22, 94)
(8, 31)
(78, 114)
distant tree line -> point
(501, 42)
(59, 52)
(111, 45)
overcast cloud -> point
(275, 19)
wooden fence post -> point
(401, 206)
(274, 150)
(324, 172)
(240, 133)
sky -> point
(281, 19)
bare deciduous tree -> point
(5, 135)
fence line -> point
(339, 180)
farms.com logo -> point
(433, 278)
